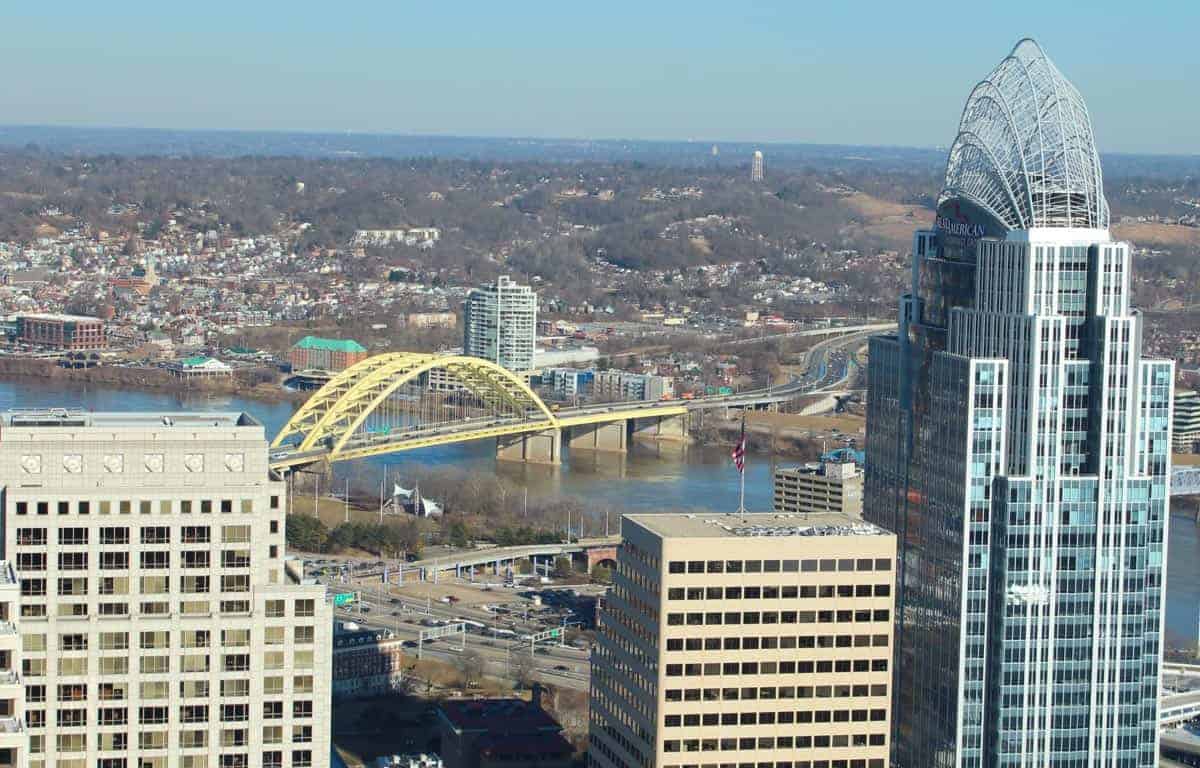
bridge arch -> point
(335, 412)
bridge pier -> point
(673, 428)
(612, 436)
(534, 447)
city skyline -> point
(548, 72)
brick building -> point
(68, 332)
(366, 662)
(315, 353)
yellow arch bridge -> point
(403, 401)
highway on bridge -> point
(333, 425)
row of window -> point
(827, 741)
(68, 666)
(160, 715)
(789, 592)
(149, 690)
(771, 693)
(155, 608)
(803, 717)
(75, 536)
(119, 560)
(875, 762)
(780, 566)
(144, 507)
(230, 738)
(716, 618)
(75, 586)
(769, 643)
(775, 667)
(161, 639)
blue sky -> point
(831, 72)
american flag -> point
(739, 450)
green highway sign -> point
(343, 598)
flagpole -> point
(742, 491)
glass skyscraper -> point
(1019, 445)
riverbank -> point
(789, 435)
(149, 379)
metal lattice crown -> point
(1025, 150)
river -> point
(650, 477)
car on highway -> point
(561, 668)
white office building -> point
(159, 625)
(500, 324)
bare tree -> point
(522, 668)
(470, 669)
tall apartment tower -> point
(500, 324)
(738, 640)
(159, 625)
(1020, 449)
(756, 166)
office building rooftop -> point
(765, 524)
(70, 417)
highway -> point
(565, 666)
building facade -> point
(366, 662)
(1187, 421)
(72, 333)
(316, 354)
(753, 639)
(828, 486)
(1020, 448)
(624, 386)
(159, 624)
(500, 324)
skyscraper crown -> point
(1025, 152)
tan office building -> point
(827, 487)
(159, 624)
(758, 639)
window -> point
(235, 688)
(235, 534)
(154, 665)
(31, 537)
(114, 641)
(193, 585)
(195, 534)
(156, 559)
(236, 662)
(157, 534)
(195, 559)
(31, 561)
(154, 640)
(305, 608)
(114, 561)
(154, 585)
(193, 713)
(72, 561)
(239, 583)
(235, 558)
(73, 642)
(72, 692)
(114, 535)
(274, 609)
(152, 715)
(235, 638)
